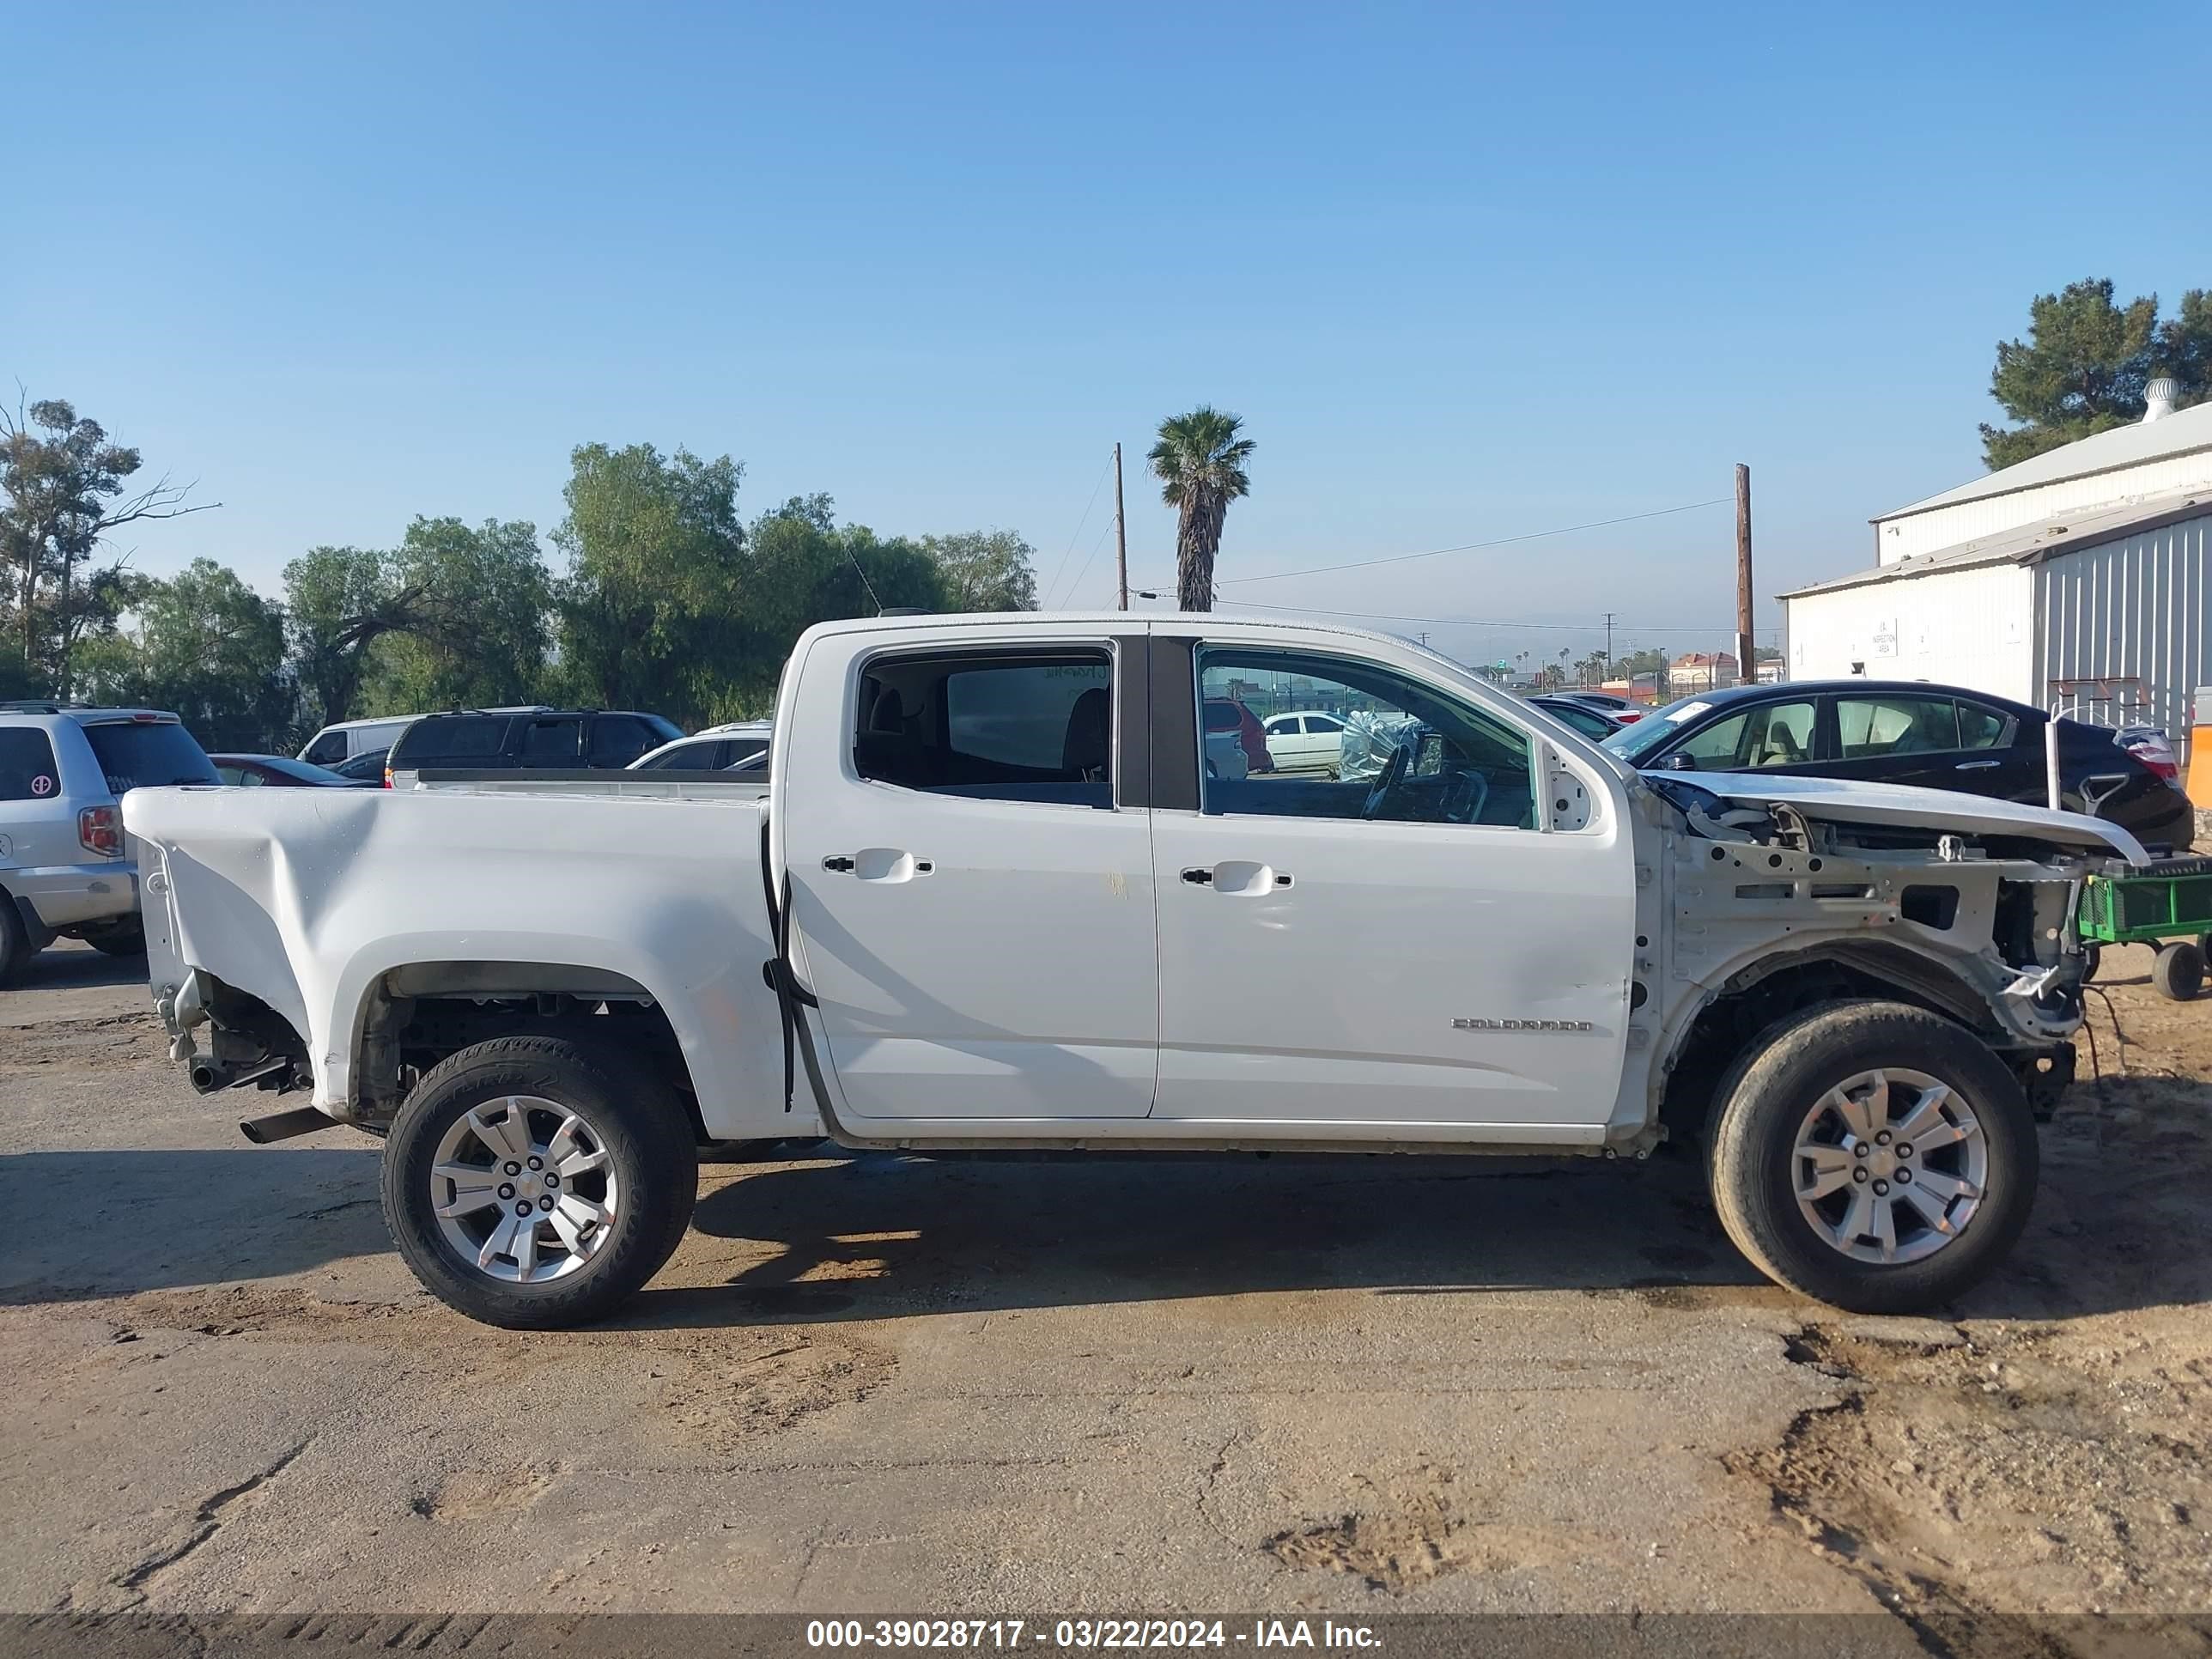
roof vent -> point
(2158, 398)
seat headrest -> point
(1090, 734)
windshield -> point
(1654, 732)
(137, 754)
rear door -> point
(1377, 949)
(1920, 739)
(551, 742)
(971, 879)
(38, 815)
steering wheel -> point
(1465, 796)
(1388, 780)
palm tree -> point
(1200, 462)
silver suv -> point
(66, 867)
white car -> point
(990, 898)
(714, 749)
(66, 867)
(1306, 741)
(346, 740)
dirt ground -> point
(885, 1384)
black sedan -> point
(257, 771)
(1936, 737)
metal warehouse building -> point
(2080, 576)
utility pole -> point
(1425, 636)
(1607, 669)
(1747, 666)
(1120, 531)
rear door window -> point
(327, 749)
(552, 743)
(1016, 727)
(1872, 728)
(148, 754)
(28, 771)
(461, 737)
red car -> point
(1223, 713)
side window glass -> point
(26, 765)
(1020, 726)
(1403, 751)
(551, 743)
(617, 740)
(1980, 727)
(1766, 734)
(329, 747)
(1870, 728)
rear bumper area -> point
(70, 895)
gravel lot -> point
(884, 1384)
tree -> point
(1200, 461)
(341, 601)
(64, 486)
(2085, 363)
(480, 633)
(648, 609)
(984, 570)
(206, 645)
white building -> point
(2080, 577)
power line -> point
(1479, 622)
(1469, 547)
(1079, 523)
(1078, 583)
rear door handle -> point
(838, 861)
(1975, 766)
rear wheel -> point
(15, 947)
(2179, 971)
(1873, 1156)
(535, 1184)
(129, 941)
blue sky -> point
(1466, 273)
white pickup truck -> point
(993, 895)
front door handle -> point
(1240, 877)
(839, 862)
(1975, 766)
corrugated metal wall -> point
(1950, 526)
(1970, 628)
(2139, 605)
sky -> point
(1467, 273)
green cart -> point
(2167, 903)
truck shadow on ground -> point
(882, 1236)
(62, 967)
(86, 1225)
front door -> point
(971, 902)
(1398, 943)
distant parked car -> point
(1579, 715)
(368, 767)
(716, 748)
(1936, 736)
(350, 739)
(1620, 710)
(256, 771)
(1250, 738)
(538, 739)
(1307, 740)
(65, 867)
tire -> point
(1780, 1093)
(17, 950)
(2179, 971)
(120, 941)
(647, 1174)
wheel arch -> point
(1711, 1031)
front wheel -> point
(1873, 1155)
(533, 1183)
